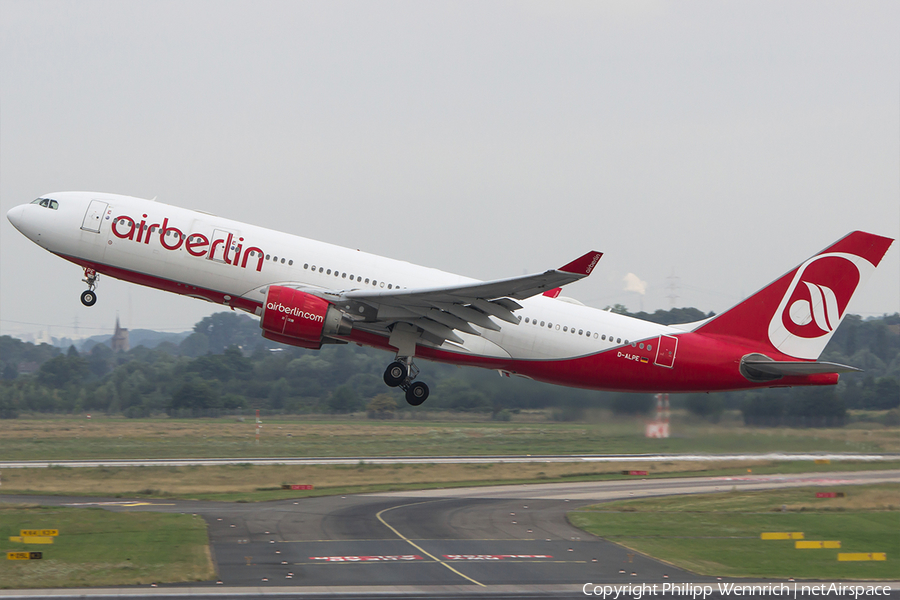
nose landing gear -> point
(401, 373)
(89, 296)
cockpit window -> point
(46, 203)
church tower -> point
(119, 341)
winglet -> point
(583, 265)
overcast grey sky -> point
(719, 142)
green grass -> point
(96, 547)
(719, 534)
(247, 483)
(73, 437)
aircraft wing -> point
(440, 311)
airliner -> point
(308, 293)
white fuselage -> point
(199, 253)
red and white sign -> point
(657, 430)
(367, 558)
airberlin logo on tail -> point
(815, 302)
(819, 309)
(232, 250)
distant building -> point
(43, 337)
(119, 341)
(27, 367)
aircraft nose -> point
(15, 216)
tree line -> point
(224, 366)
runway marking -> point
(412, 562)
(124, 504)
(464, 557)
(367, 558)
(421, 539)
(416, 546)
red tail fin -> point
(798, 313)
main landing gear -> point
(401, 373)
(89, 296)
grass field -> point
(256, 483)
(96, 547)
(719, 534)
(73, 437)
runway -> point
(425, 460)
(454, 542)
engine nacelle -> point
(293, 317)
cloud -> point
(633, 283)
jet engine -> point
(296, 318)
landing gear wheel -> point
(417, 393)
(395, 374)
(88, 298)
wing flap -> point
(439, 311)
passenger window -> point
(595, 336)
(580, 330)
(526, 320)
(603, 337)
(267, 257)
(618, 340)
(328, 272)
(542, 323)
(382, 284)
(306, 266)
(343, 275)
(282, 261)
(389, 286)
(321, 269)
(649, 347)
(641, 346)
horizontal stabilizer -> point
(799, 368)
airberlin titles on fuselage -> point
(196, 244)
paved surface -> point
(466, 540)
(418, 460)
